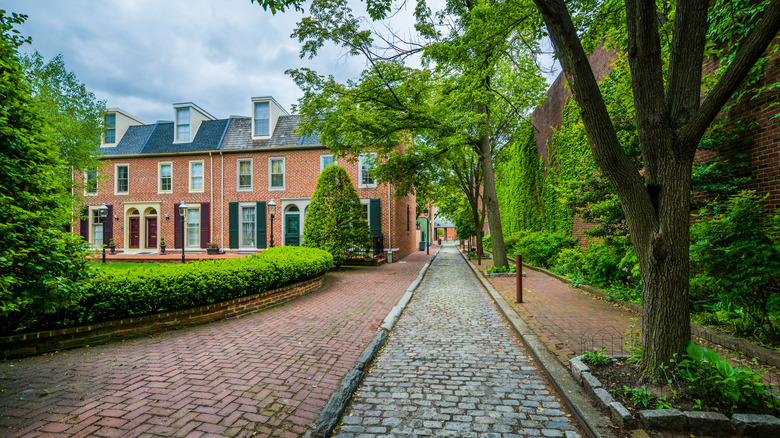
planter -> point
(212, 251)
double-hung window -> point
(193, 227)
(166, 177)
(276, 172)
(248, 225)
(196, 176)
(90, 185)
(182, 124)
(110, 124)
(122, 172)
(326, 160)
(245, 174)
(262, 119)
(97, 227)
(365, 165)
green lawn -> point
(123, 266)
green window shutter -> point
(375, 216)
(233, 224)
(261, 225)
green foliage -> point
(596, 357)
(500, 269)
(335, 222)
(42, 267)
(541, 248)
(714, 379)
(164, 287)
(739, 236)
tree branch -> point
(683, 86)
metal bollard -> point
(519, 275)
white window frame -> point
(254, 119)
(187, 229)
(270, 175)
(116, 178)
(105, 124)
(251, 175)
(159, 176)
(177, 124)
(241, 207)
(95, 210)
(203, 176)
(322, 160)
(361, 159)
(86, 183)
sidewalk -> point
(567, 320)
(265, 374)
(453, 368)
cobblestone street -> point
(452, 368)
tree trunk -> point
(489, 196)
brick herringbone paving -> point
(269, 373)
(567, 320)
(453, 368)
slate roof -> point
(207, 138)
(131, 143)
(239, 135)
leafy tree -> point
(335, 221)
(74, 117)
(42, 267)
(671, 118)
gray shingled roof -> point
(239, 135)
(131, 143)
(207, 138)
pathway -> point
(452, 368)
(268, 373)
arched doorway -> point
(134, 228)
(292, 226)
(150, 227)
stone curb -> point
(595, 424)
(763, 354)
(673, 420)
(329, 417)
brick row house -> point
(227, 172)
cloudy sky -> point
(144, 55)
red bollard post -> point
(519, 274)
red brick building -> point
(228, 172)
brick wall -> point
(60, 339)
(763, 151)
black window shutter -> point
(375, 215)
(109, 224)
(233, 224)
(261, 225)
(177, 226)
(205, 223)
(84, 223)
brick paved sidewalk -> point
(453, 368)
(567, 320)
(270, 372)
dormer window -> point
(182, 124)
(262, 116)
(110, 123)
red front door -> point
(151, 232)
(135, 227)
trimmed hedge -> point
(167, 287)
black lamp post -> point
(103, 209)
(272, 211)
(183, 214)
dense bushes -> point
(166, 287)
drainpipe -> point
(211, 203)
(222, 204)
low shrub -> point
(541, 248)
(167, 287)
